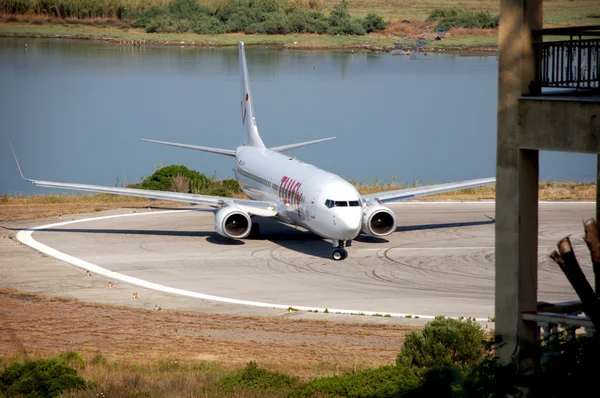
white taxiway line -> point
(482, 202)
(26, 238)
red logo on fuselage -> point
(289, 192)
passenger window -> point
(340, 203)
(353, 203)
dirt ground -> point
(32, 325)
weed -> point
(4, 199)
(98, 360)
(258, 379)
(72, 359)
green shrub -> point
(160, 25)
(373, 23)
(161, 179)
(305, 21)
(341, 23)
(189, 9)
(208, 25)
(252, 17)
(39, 378)
(385, 381)
(444, 342)
(257, 379)
(451, 17)
(149, 14)
(183, 26)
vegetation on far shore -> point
(447, 358)
(302, 24)
(404, 21)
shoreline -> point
(307, 42)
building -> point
(548, 99)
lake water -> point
(75, 111)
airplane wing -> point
(410, 193)
(259, 208)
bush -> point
(258, 379)
(149, 14)
(304, 21)
(452, 17)
(160, 25)
(208, 25)
(161, 179)
(444, 342)
(385, 381)
(373, 23)
(189, 9)
(253, 17)
(39, 378)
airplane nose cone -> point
(348, 226)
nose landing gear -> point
(339, 253)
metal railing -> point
(573, 63)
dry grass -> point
(43, 206)
(135, 341)
(548, 191)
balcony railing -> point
(569, 64)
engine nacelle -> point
(378, 220)
(232, 223)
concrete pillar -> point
(598, 189)
(516, 185)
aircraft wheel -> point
(339, 254)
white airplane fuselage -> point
(301, 191)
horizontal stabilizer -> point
(284, 148)
(228, 152)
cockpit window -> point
(341, 203)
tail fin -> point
(248, 119)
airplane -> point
(280, 186)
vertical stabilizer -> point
(248, 118)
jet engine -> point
(378, 220)
(232, 223)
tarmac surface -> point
(440, 261)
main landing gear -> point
(339, 253)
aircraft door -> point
(313, 204)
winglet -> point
(16, 160)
